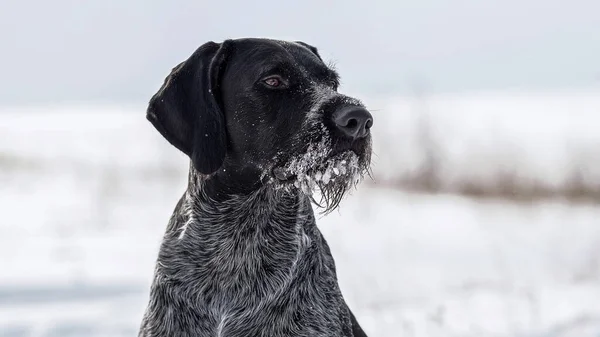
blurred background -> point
(482, 218)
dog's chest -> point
(255, 258)
(244, 277)
(251, 270)
(294, 287)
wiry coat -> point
(242, 256)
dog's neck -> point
(235, 198)
(229, 182)
(217, 235)
(233, 195)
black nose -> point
(353, 121)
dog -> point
(266, 131)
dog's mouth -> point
(340, 165)
(330, 170)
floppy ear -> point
(311, 48)
(186, 109)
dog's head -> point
(266, 110)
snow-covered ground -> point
(85, 194)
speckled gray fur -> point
(251, 266)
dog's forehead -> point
(272, 45)
(268, 51)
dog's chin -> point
(329, 173)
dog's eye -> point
(274, 82)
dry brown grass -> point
(506, 187)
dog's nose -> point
(353, 121)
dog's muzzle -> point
(339, 153)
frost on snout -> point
(319, 167)
(320, 95)
(318, 171)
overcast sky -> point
(120, 50)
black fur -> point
(242, 255)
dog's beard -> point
(319, 171)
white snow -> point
(86, 192)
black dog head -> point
(265, 111)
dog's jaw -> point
(320, 169)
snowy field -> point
(534, 141)
(86, 192)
